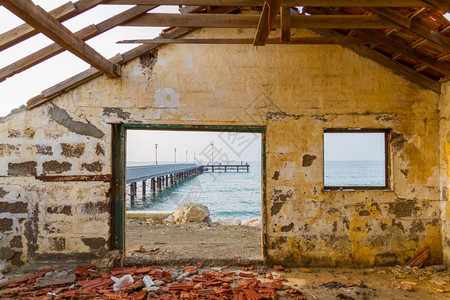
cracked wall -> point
(295, 91)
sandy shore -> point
(190, 243)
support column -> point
(133, 189)
(144, 183)
(159, 184)
(171, 179)
(153, 187)
(167, 181)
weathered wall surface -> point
(295, 91)
(444, 113)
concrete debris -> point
(3, 278)
(55, 278)
(123, 282)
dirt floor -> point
(149, 242)
(219, 262)
(229, 281)
(218, 246)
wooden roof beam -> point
(285, 24)
(266, 21)
(252, 21)
(401, 49)
(414, 27)
(440, 4)
(314, 3)
(61, 13)
(85, 34)
(389, 63)
(49, 26)
(406, 51)
(243, 41)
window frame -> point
(387, 158)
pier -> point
(226, 168)
(160, 177)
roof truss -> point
(53, 29)
(412, 37)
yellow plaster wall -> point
(444, 113)
(296, 92)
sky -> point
(354, 146)
(17, 90)
(227, 146)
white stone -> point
(192, 212)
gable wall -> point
(295, 91)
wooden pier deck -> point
(169, 175)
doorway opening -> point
(192, 194)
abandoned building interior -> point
(291, 70)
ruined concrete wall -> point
(444, 129)
(295, 91)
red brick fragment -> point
(199, 265)
(278, 267)
(246, 274)
(143, 270)
(251, 294)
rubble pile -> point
(186, 282)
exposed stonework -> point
(55, 167)
(94, 243)
(93, 167)
(14, 207)
(44, 150)
(308, 160)
(22, 169)
(72, 150)
(6, 224)
(66, 210)
(8, 150)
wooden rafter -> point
(389, 63)
(85, 34)
(293, 41)
(285, 24)
(252, 21)
(266, 21)
(401, 49)
(61, 13)
(414, 27)
(316, 3)
(440, 4)
(49, 26)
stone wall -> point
(295, 91)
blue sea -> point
(227, 195)
(354, 173)
(238, 195)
